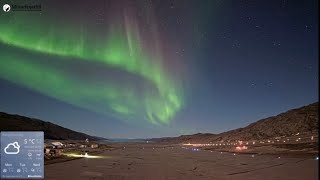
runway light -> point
(279, 157)
(234, 154)
(252, 155)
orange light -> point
(240, 148)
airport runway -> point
(149, 162)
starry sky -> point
(154, 68)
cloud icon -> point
(12, 148)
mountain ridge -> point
(13, 122)
(297, 120)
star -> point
(276, 43)
(269, 84)
(253, 84)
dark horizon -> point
(148, 138)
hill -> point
(9, 122)
(303, 120)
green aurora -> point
(120, 48)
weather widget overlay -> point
(22, 155)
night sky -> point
(153, 68)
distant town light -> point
(317, 158)
(241, 148)
(252, 155)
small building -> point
(57, 145)
(71, 145)
(93, 146)
(55, 152)
(47, 151)
(83, 146)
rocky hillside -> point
(301, 120)
(9, 122)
